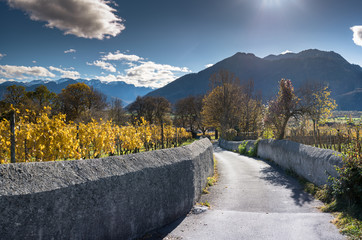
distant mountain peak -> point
(312, 65)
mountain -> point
(122, 90)
(344, 79)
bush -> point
(268, 133)
(253, 151)
(242, 148)
(230, 134)
(347, 188)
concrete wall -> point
(314, 164)
(234, 145)
(119, 197)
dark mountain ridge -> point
(307, 66)
(121, 90)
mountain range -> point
(344, 79)
(121, 90)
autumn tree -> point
(221, 107)
(317, 103)
(282, 108)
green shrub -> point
(253, 151)
(268, 133)
(242, 148)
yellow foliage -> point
(50, 138)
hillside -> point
(343, 78)
(122, 90)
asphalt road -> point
(253, 199)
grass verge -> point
(348, 218)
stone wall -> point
(119, 197)
(314, 164)
(234, 145)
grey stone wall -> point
(234, 145)
(119, 197)
(314, 164)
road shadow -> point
(277, 176)
(163, 232)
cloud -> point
(104, 65)
(85, 18)
(286, 51)
(121, 57)
(66, 73)
(209, 65)
(33, 61)
(2, 80)
(147, 74)
(23, 72)
(2, 55)
(70, 51)
(357, 35)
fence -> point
(334, 140)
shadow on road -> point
(278, 177)
(163, 232)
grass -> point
(206, 203)
(211, 181)
(347, 218)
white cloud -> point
(209, 65)
(357, 35)
(103, 65)
(120, 56)
(66, 73)
(23, 72)
(147, 74)
(82, 18)
(70, 51)
(33, 61)
(286, 51)
(2, 55)
(2, 80)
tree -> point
(188, 114)
(317, 103)
(281, 109)
(221, 107)
(41, 97)
(142, 107)
(117, 113)
(80, 102)
(162, 109)
(251, 108)
(15, 95)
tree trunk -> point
(282, 130)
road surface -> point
(253, 199)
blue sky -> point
(152, 42)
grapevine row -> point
(44, 138)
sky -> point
(152, 42)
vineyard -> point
(39, 137)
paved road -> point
(254, 200)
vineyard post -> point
(162, 139)
(12, 136)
